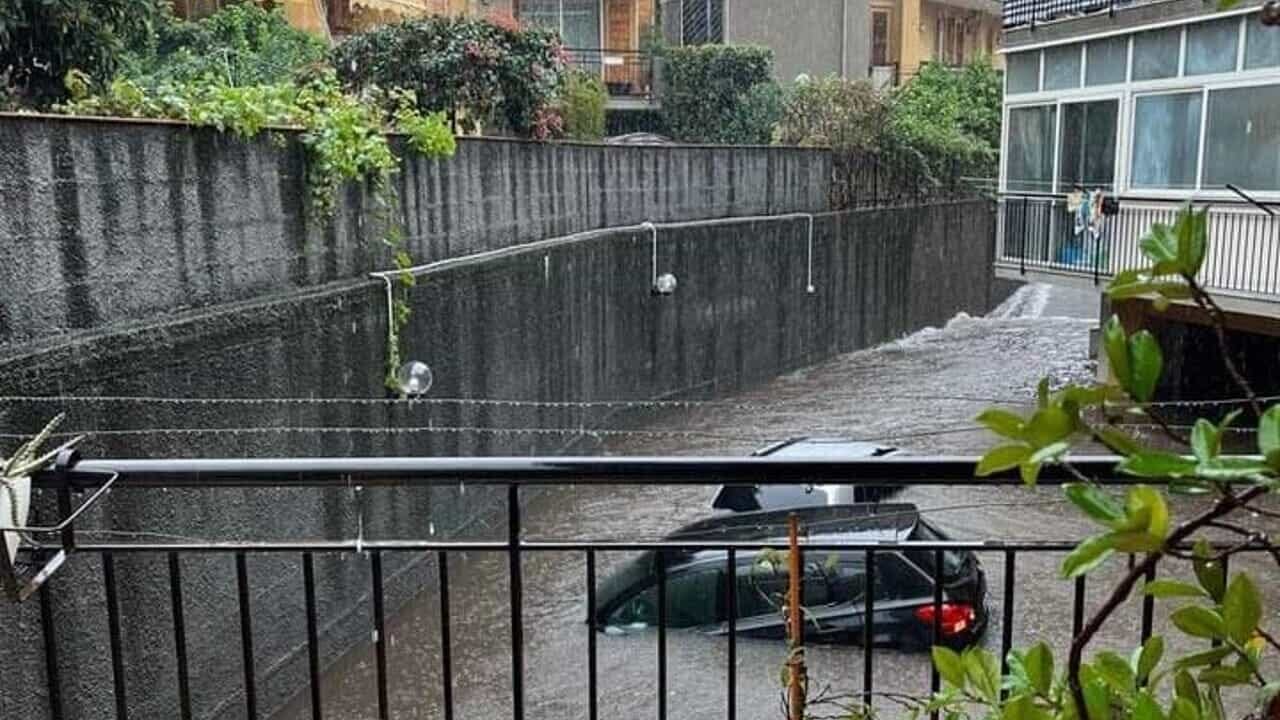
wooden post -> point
(795, 623)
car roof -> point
(860, 521)
(824, 447)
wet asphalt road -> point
(919, 394)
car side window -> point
(762, 589)
(896, 580)
(694, 598)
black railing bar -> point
(1263, 206)
(179, 636)
(661, 568)
(731, 677)
(313, 640)
(380, 634)
(635, 53)
(593, 709)
(327, 546)
(52, 678)
(408, 472)
(935, 678)
(868, 630)
(246, 636)
(114, 635)
(516, 588)
(1006, 619)
(446, 640)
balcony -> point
(1029, 13)
(628, 74)
(1036, 237)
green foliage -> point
(479, 73)
(582, 103)
(845, 115)
(756, 115)
(1225, 610)
(951, 117)
(42, 40)
(240, 44)
(705, 87)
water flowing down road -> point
(919, 393)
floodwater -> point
(919, 393)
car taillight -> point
(956, 617)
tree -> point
(42, 40)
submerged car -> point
(835, 583)
(749, 498)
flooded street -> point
(918, 394)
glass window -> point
(582, 24)
(1030, 156)
(1106, 60)
(693, 599)
(543, 13)
(1166, 138)
(896, 580)
(1062, 67)
(1022, 72)
(1261, 44)
(1242, 141)
(1155, 53)
(762, 590)
(1211, 46)
(1088, 145)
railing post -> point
(795, 622)
(517, 601)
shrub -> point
(951, 117)
(582, 104)
(479, 72)
(845, 115)
(756, 115)
(704, 87)
(241, 44)
(42, 40)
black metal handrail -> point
(515, 475)
(626, 73)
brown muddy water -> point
(919, 393)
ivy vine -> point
(345, 138)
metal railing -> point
(1037, 232)
(1029, 13)
(516, 477)
(626, 73)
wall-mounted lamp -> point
(665, 284)
(414, 378)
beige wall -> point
(978, 35)
(806, 36)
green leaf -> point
(949, 665)
(1158, 465)
(1118, 441)
(1116, 344)
(1049, 425)
(1224, 676)
(1241, 608)
(1038, 663)
(1003, 423)
(1042, 393)
(1269, 436)
(1184, 709)
(1135, 541)
(1115, 671)
(1146, 708)
(1023, 708)
(1149, 657)
(1206, 442)
(1160, 245)
(1087, 555)
(1145, 500)
(1172, 588)
(1097, 700)
(1213, 656)
(1002, 457)
(1224, 5)
(1146, 362)
(983, 673)
(1199, 622)
(1030, 473)
(1188, 486)
(1232, 469)
(1095, 503)
(1210, 573)
(1049, 452)
(1184, 687)
(1192, 235)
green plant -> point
(41, 40)
(755, 118)
(1223, 609)
(345, 138)
(240, 44)
(950, 118)
(705, 87)
(845, 115)
(582, 104)
(479, 72)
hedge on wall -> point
(582, 105)
(707, 91)
(481, 72)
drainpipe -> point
(844, 42)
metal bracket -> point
(16, 586)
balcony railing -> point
(1019, 13)
(1038, 233)
(626, 73)
(160, 572)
